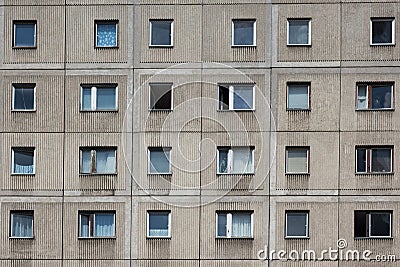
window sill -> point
(20, 238)
(158, 237)
(298, 110)
(243, 46)
(237, 174)
(383, 44)
(375, 238)
(23, 110)
(375, 109)
(99, 111)
(98, 174)
(156, 174)
(24, 47)
(374, 173)
(22, 174)
(297, 173)
(160, 110)
(106, 47)
(298, 45)
(161, 46)
(297, 237)
(97, 237)
(236, 238)
(236, 110)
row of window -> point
(229, 224)
(243, 32)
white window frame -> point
(18, 85)
(90, 148)
(15, 22)
(393, 31)
(308, 84)
(151, 29)
(368, 151)
(148, 223)
(93, 213)
(12, 161)
(163, 148)
(111, 22)
(172, 96)
(231, 88)
(307, 224)
(309, 31)
(230, 159)
(93, 97)
(374, 84)
(297, 148)
(30, 212)
(369, 224)
(229, 224)
(254, 33)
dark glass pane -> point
(381, 32)
(222, 224)
(361, 160)
(381, 160)
(24, 98)
(159, 161)
(243, 32)
(296, 224)
(360, 224)
(106, 98)
(243, 97)
(380, 224)
(158, 224)
(223, 97)
(381, 97)
(298, 32)
(161, 96)
(161, 32)
(223, 161)
(24, 34)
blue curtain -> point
(107, 34)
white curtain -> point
(86, 161)
(104, 225)
(84, 231)
(297, 161)
(242, 160)
(241, 225)
(105, 161)
(22, 225)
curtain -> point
(298, 96)
(297, 161)
(86, 161)
(223, 161)
(107, 34)
(241, 225)
(104, 225)
(105, 161)
(22, 225)
(362, 97)
(242, 160)
(243, 97)
(158, 224)
(23, 162)
(106, 98)
(84, 230)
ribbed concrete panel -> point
(96, 263)
(184, 241)
(170, 2)
(306, 1)
(50, 27)
(30, 263)
(93, 248)
(356, 39)
(232, 263)
(47, 231)
(367, 184)
(284, 263)
(76, 181)
(186, 34)
(233, 2)
(217, 24)
(324, 99)
(166, 263)
(48, 162)
(32, 2)
(325, 32)
(94, 121)
(99, 2)
(233, 248)
(81, 43)
(323, 159)
(49, 114)
(368, 120)
(323, 233)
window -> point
(96, 224)
(21, 224)
(298, 96)
(23, 160)
(299, 32)
(382, 31)
(159, 160)
(296, 224)
(161, 96)
(244, 32)
(375, 96)
(106, 33)
(99, 160)
(159, 224)
(236, 97)
(23, 97)
(297, 160)
(161, 32)
(237, 224)
(235, 160)
(99, 97)
(374, 159)
(370, 224)
(24, 34)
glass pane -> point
(106, 34)
(24, 98)
(105, 161)
(24, 34)
(223, 95)
(381, 160)
(23, 161)
(221, 224)
(360, 224)
(242, 160)
(243, 32)
(381, 32)
(241, 225)
(104, 225)
(223, 160)
(106, 98)
(86, 161)
(160, 96)
(380, 224)
(22, 225)
(158, 224)
(298, 32)
(84, 227)
(87, 98)
(297, 161)
(161, 32)
(361, 160)
(381, 96)
(243, 97)
(159, 161)
(296, 224)
(298, 96)
(362, 101)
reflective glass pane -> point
(159, 161)
(296, 224)
(24, 98)
(361, 159)
(158, 224)
(87, 98)
(362, 101)
(243, 97)
(23, 161)
(381, 160)
(161, 32)
(223, 160)
(24, 34)
(298, 32)
(243, 32)
(106, 98)
(105, 161)
(86, 161)
(381, 96)
(382, 31)
(222, 224)
(297, 161)
(380, 224)
(298, 97)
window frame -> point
(94, 148)
(308, 84)
(93, 97)
(171, 36)
(109, 22)
(307, 213)
(93, 223)
(155, 148)
(393, 20)
(368, 224)
(254, 33)
(168, 212)
(288, 32)
(27, 22)
(368, 156)
(13, 160)
(232, 148)
(231, 88)
(21, 212)
(22, 85)
(229, 214)
(172, 96)
(370, 86)
(286, 159)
